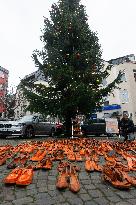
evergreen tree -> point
(71, 61)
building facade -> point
(3, 90)
(20, 101)
(122, 99)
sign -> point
(111, 125)
(93, 117)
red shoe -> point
(74, 184)
(13, 176)
(25, 178)
(62, 181)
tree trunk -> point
(68, 126)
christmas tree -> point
(72, 64)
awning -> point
(111, 107)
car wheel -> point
(52, 132)
(29, 132)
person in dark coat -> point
(126, 126)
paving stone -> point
(52, 178)
(67, 194)
(1, 196)
(31, 192)
(95, 175)
(23, 201)
(44, 201)
(125, 194)
(64, 203)
(108, 192)
(35, 180)
(75, 201)
(41, 183)
(52, 182)
(90, 186)
(84, 176)
(9, 196)
(42, 176)
(42, 189)
(51, 187)
(101, 201)
(32, 186)
(20, 194)
(95, 193)
(123, 203)
(85, 181)
(90, 203)
(85, 197)
(59, 198)
(42, 196)
(53, 172)
(96, 181)
(82, 191)
(8, 203)
(113, 198)
(133, 192)
(132, 201)
(54, 193)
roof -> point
(4, 70)
(127, 58)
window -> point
(124, 96)
(135, 76)
(123, 78)
(104, 82)
(106, 115)
(106, 103)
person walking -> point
(126, 126)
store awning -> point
(111, 107)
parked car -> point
(27, 126)
(95, 127)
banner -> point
(111, 125)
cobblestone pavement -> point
(43, 190)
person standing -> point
(126, 126)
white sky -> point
(21, 20)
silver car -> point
(27, 126)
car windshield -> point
(27, 118)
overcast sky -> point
(21, 20)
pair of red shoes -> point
(91, 166)
(19, 176)
(44, 164)
(115, 177)
(68, 179)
